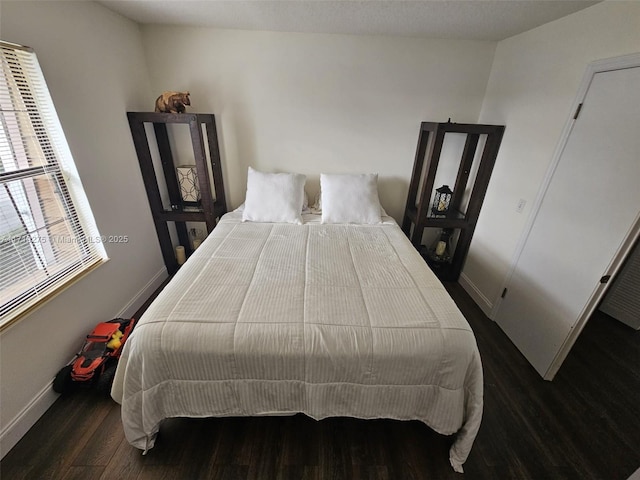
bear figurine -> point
(172, 102)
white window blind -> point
(48, 236)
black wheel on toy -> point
(104, 382)
(63, 383)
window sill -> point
(26, 310)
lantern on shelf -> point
(441, 200)
(440, 250)
(188, 183)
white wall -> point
(94, 65)
(316, 103)
(534, 80)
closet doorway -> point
(586, 219)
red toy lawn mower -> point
(96, 362)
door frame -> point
(596, 297)
(598, 66)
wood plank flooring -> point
(583, 425)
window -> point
(48, 235)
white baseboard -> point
(26, 419)
(29, 415)
(483, 302)
(139, 298)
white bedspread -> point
(328, 320)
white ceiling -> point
(460, 19)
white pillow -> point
(317, 206)
(350, 198)
(274, 197)
(305, 205)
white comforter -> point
(328, 320)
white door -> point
(584, 219)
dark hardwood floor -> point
(583, 425)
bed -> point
(325, 319)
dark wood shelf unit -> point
(455, 220)
(418, 214)
(210, 209)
